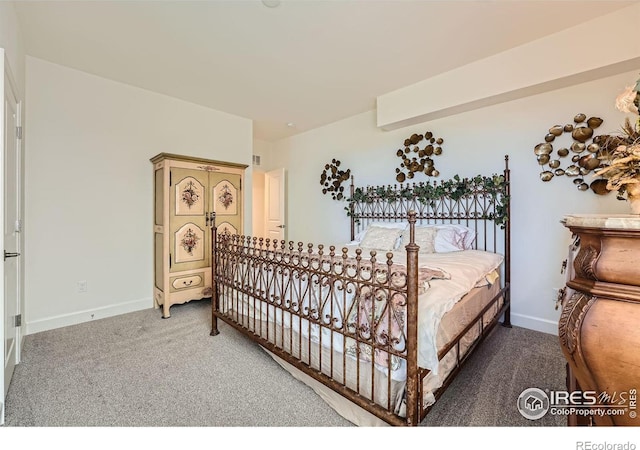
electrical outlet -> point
(555, 294)
(82, 286)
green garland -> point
(455, 189)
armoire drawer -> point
(187, 281)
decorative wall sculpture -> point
(418, 160)
(414, 160)
(577, 159)
(332, 178)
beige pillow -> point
(380, 238)
(425, 237)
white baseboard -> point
(64, 320)
(51, 323)
(534, 323)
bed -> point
(378, 326)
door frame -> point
(8, 82)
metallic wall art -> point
(575, 159)
(418, 160)
(332, 178)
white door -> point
(11, 225)
(274, 187)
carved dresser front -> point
(599, 328)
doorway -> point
(269, 204)
(275, 206)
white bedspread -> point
(467, 268)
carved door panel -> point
(226, 201)
(189, 236)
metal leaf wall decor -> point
(577, 159)
(418, 160)
(332, 178)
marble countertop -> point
(614, 221)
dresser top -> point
(610, 221)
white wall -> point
(258, 203)
(474, 143)
(89, 187)
(11, 41)
(262, 149)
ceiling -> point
(305, 63)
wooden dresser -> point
(599, 328)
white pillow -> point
(453, 238)
(447, 238)
(393, 225)
(381, 238)
(425, 238)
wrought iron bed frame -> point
(248, 268)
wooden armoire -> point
(187, 191)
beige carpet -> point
(138, 370)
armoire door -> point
(226, 201)
(188, 203)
